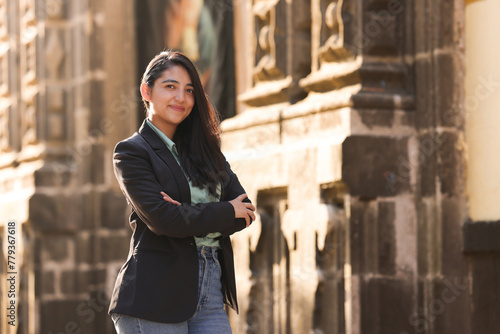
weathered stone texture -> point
(113, 248)
(386, 238)
(450, 167)
(374, 117)
(485, 293)
(350, 140)
(386, 305)
(481, 237)
(81, 281)
(448, 307)
(428, 145)
(50, 213)
(114, 210)
(375, 166)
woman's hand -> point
(243, 209)
(169, 199)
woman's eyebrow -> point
(175, 81)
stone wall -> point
(350, 139)
(360, 145)
(68, 95)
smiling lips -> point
(177, 108)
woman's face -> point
(170, 100)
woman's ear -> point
(145, 92)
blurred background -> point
(366, 132)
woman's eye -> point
(170, 86)
(190, 90)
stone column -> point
(305, 230)
(20, 155)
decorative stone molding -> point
(270, 29)
(303, 243)
(55, 52)
(280, 49)
(4, 79)
(28, 62)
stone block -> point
(54, 173)
(113, 248)
(386, 239)
(375, 166)
(58, 212)
(85, 248)
(386, 306)
(407, 118)
(309, 124)
(485, 293)
(98, 158)
(453, 214)
(37, 250)
(97, 42)
(56, 247)
(444, 35)
(423, 220)
(44, 283)
(447, 308)
(450, 165)
(424, 84)
(447, 89)
(376, 117)
(382, 32)
(363, 252)
(114, 210)
(67, 316)
(47, 212)
(53, 10)
(481, 237)
(78, 34)
(428, 144)
(96, 108)
(56, 67)
(81, 281)
(423, 34)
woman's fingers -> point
(241, 197)
(251, 214)
(169, 199)
(247, 220)
(243, 209)
(249, 206)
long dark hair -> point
(198, 137)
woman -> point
(186, 202)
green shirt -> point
(198, 195)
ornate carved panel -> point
(281, 41)
(382, 27)
(332, 48)
(4, 78)
(270, 32)
(331, 38)
(360, 44)
(28, 62)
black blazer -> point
(159, 280)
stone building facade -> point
(355, 137)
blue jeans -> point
(209, 317)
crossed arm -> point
(165, 216)
(242, 209)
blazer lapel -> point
(164, 153)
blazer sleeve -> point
(137, 181)
(232, 190)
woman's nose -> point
(180, 95)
